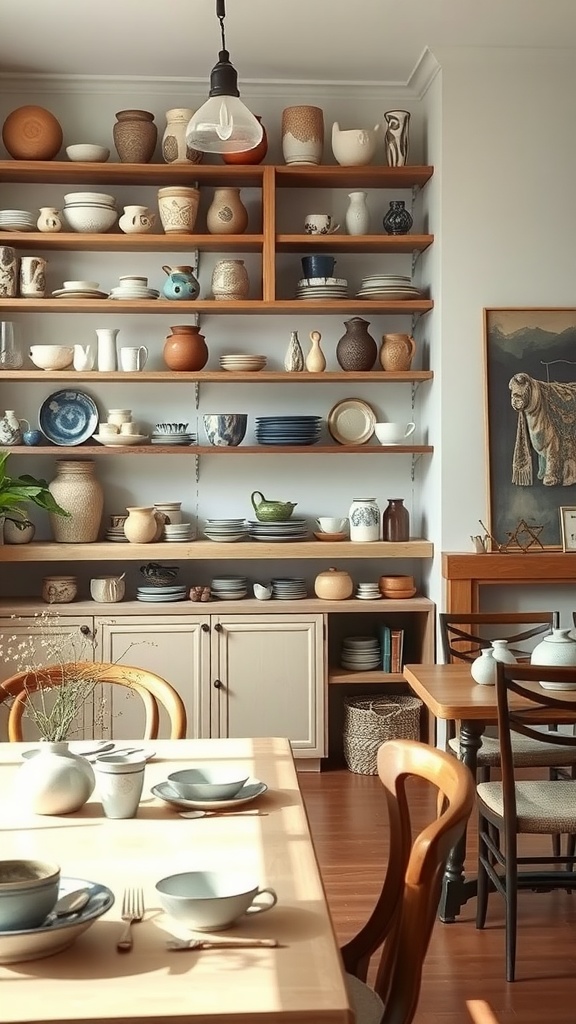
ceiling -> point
(283, 40)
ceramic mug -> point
(319, 224)
(393, 433)
(120, 779)
(132, 359)
(32, 280)
(8, 272)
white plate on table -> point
(251, 789)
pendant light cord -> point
(221, 14)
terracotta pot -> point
(250, 156)
(185, 349)
(333, 585)
(32, 133)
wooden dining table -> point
(302, 979)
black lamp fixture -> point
(223, 124)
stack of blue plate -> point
(159, 595)
(287, 529)
(289, 589)
(287, 430)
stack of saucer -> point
(17, 220)
(243, 363)
(360, 653)
(387, 286)
(289, 589)
(116, 529)
(79, 290)
(322, 288)
(133, 288)
(172, 433)
(229, 588)
(175, 532)
(227, 530)
(161, 595)
(368, 591)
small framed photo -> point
(568, 527)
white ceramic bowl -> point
(28, 892)
(90, 219)
(81, 286)
(208, 901)
(51, 357)
(219, 783)
(86, 151)
(101, 198)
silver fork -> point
(132, 911)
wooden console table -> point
(465, 573)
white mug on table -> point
(120, 779)
(133, 358)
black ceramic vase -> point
(356, 349)
(398, 220)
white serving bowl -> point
(102, 198)
(87, 152)
(51, 357)
(81, 286)
(28, 892)
(219, 783)
(90, 219)
(208, 901)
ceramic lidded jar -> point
(227, 214)
(230, 280)
(135, 136)
(174, 148)
(185, 349)
(557, 649)
(333, 585)
(356, 349)
(76, 490)
(302, 134)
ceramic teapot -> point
(355, 147)
(271, 511)
(181, 283)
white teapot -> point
(355, 147)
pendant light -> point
(223, 124)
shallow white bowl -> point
(207, 783)
(86, 151)
(90, 219)
(90, 197)
(81, 286)
(51, 357)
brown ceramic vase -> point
(185, 348)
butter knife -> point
(176, 945)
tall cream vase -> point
(76, 490)
(174, 148)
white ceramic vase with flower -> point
(55, 780)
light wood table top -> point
(302, 980)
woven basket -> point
(368, 723)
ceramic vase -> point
(302, 134)
(483, 668)
(398, 220)
(10, 429)
(50, 219)
(76, 490)
(178, 208)
(54, 781)
(141, 526)
(230, 280)
(502, 652)
(32, 133)
(107, 358)
(364, 519)
(227, 214)
(13, 534)
(357, 217)
(174, 148)
(397, 352)
(250, 156)
(396, 138)
(11, 357)
(396, 521)
(356, 349)
(9, 263)
(135, 136)
(557, 649)
(315, 360)
(294, 358)
(185, 349)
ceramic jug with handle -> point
(181, 283)
(397, 351)
(271, 511)
(10, 428)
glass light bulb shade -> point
(223, 125)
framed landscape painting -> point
(530, 359)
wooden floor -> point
(348, 821)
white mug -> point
(120, 780)
(319, 224)
(331, 524)
(393, 433)
(133, 358)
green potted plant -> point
(16, 493)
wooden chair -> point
(405, 912)
(515, 807)
(153, 690)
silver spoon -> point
(221, 814)
(71, 903)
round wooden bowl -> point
(396, 582)
(398, 595)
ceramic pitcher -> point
(107, 355)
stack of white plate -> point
(178, 532)
(172, 437)
(286, 529)
(322, 288)
(289, 589)
(116, 533)
(17, 220)
(229, 588)
(368, 591)
(387, 286)
(242, 363)
(161, 595)
(360, 653)
(79, 290)
(226, 530)
(134, 289)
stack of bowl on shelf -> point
(90, 212)
(290, 588)
(360, 653)
(133, 287)
(226, 530)
(229, 588)
(368, 592)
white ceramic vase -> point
(483, 668)
(357, 217)
(501, 652)
(364, 519)
(55, 781)
(107, 354)
(174, 148)
(557, 649)
(294, 358)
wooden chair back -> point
(464, 635)
(152, 689)
(404, 915)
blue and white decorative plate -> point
(68, 417)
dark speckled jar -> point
(356, 349)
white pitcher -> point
(107, 355)
(84, 356)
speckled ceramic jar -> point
(230, 280)
(76, 490)
(135, 136)
(302, 134)
(174, 148)
(227, 214)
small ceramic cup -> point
(129, 428)
(317, 223)
(107, 589)
(332, 524)
(108, 428)
(120, 779)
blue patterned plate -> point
(68, 417)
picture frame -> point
(568, 527)
(530, 418)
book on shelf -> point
(396, 649)
(385, 648)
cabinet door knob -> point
(86, 631)
(218, 627)
(205, 627)
(218, 684)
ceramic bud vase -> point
(357, 217)
(76, 490)
(294, 358)
(315, 360)
(396, 521)
(54, 781)
(502, 652)
(398, 220)
(185, 349)
(356, 349)
(302, 134)
(135, 136)
(396, 138)
(557, 649)
(483, 668)
(230, 280)
(141, 526)
(227, 214)
(174, 148)
(364, 518)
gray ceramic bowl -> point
(28, 892)
(226, 429)
(207, 783)
(208, 901)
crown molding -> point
(425, 70)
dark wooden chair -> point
(515, 807)
(402, 920)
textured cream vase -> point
(77, 490)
